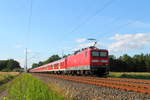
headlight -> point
(95, 61)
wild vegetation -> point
(9, 65)
(27, 87)
(5, 77)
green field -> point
(27, 87)
(130, 75)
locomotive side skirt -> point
(88, 67)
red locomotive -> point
(88, 61)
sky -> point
(62, 26)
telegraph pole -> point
(26, 60)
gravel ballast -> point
(79, 91)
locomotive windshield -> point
(99, 54)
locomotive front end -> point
(99, 61)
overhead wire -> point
(80, 25)
(91, 17)
(83, 23)
(123, 25)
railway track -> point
(136, 85)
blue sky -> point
(122, 26)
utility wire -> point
(123, 25)
(86, 20)
(91, 17)
(109, 23)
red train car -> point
(88, 61)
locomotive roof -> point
(91, 48)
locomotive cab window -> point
(103, 54)
(99, 54)
(95, 54)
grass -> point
(4, 78)
(3, 87)
(27, 87)
(130, 75)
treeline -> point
(126, 63)
(50, 59)
(9, 65)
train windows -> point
(99, 54)
(103, 54)
(95, 54)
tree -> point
(12, 64)
(52, 58)
(49, 60)
(64, 56)
(129, 62)
(9, 65)
(126, 63)
(3, 64)
(40, 63)
(34, 65)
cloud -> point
(81, 40)
(21, 61)
(128, 42)
(75, 49)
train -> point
(89, 61)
